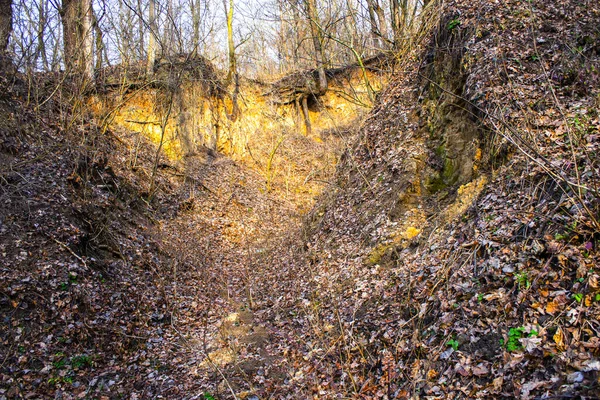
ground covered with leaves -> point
(455, 255)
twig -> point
(70, 251)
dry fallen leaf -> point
(559, 339)
(530, 343)
(497, 383)
(480, 370)
(552, 307)
(432, 374)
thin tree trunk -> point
(232, 74)
(395, 20)
(168, 47)
(77, 36)
(151, 38)
(403, 16)
(195, 25)
(311, 11)
(382, 21)
(6, 27)
(298, 112)
(375, 32)
(41, 47)
(99, 41)
(141, 31)
(230, 43)
(297, 35)
(306, 115)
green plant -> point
(514, 334)
(78, 362)
(60, 379)
(523, 280)
(453, 343)
(597, 297)
(453, 24)
(561, 236)
(72, 279)
(208, 396)
(480, 297)
(63, 286)
(60, 363)
(532, 333)
(578, 297)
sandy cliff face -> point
(192, 115)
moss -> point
(377, 254)
(400, 240)
(435, 184)
(440, 151)
(449, 173)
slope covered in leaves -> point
(457, 255)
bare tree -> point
(77, 17)
(5, 30)
(41, 45)
(377, 23)
(317, 37)
(232, 74)
(151, 38)
(195, 13)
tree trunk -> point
(170, 33)
(6, 26)
(151, 38)
(382, 21)
(230, 43)
(195, 10)
(99, 41)
(311, 12)
(232, 74)
(306, 115)
(396, 21)
(77, 36)
(297, 38)
(375, 32)
(41, 45)
(141, 31)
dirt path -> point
(223, 246)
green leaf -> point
(453, 24)
(453, 343)
(514, 334)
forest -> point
(294, 199)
